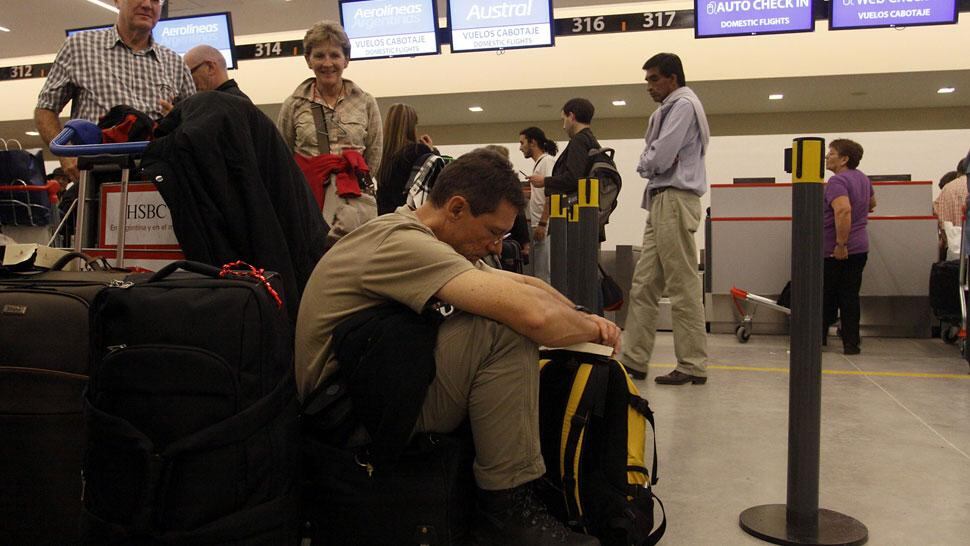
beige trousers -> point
(489, 373)
(668, 265)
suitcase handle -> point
(71, 256)
(193, 267)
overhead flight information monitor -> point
(847, 14)
(181, 34)
(482, 25)
(390, 28)
(716, 18)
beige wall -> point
(729, 125)
(595, 60)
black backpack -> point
(603, 168)
(191, 412)
(424, 172)
(591, 418)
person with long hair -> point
(402, 148)
(535, 146)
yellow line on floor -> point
(831, 372)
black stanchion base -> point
(769, 522)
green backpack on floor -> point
(593, 427)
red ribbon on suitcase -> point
(229, 270)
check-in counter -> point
(750, 247)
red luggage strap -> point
(229, 270)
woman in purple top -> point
(848, 201)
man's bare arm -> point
(48, 125)
(527, 309)
(537, 283)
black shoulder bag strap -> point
(320, 121)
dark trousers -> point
(840, 297)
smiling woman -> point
(351, 117)
(334, 129)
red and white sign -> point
(149, 221)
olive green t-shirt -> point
(393, 257)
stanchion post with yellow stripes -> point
(572, 244)
(800, 520)
(587, 246)
(557, 242)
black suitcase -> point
(945, 291)
(426, 498)
(43, 370)
(191, 413)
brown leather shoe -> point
(636, 375)
(679, 378)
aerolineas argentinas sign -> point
(390, 28)
(478, 25)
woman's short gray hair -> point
(326, 32)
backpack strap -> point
(658, 533)
(642, 407)
(587, 398)
(320, 122)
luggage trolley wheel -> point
(950, 333)
(743, 333)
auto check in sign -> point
(499, 24)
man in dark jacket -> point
(234, 191)
(208, 68)
(573, 163)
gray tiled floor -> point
(895, 446)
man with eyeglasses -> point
(485, 353)
(96, 70)
(208, 68)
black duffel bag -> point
(191, 412)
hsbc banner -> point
(148, 223)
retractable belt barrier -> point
(800, 520)
(574, 250)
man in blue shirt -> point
(673, 162)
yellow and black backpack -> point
(593, 429)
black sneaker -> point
(517, 516)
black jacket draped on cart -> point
(234, 191)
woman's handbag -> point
(342, 213)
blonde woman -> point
(402, 148)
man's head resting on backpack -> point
(473, 204)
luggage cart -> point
(123, 154)
(11, 196)
(743, 330)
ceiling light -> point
(4, 29)
(104, 5)
(776, 96)
(475, 109)
(32, 133)
(619, 103)
(945, 90)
